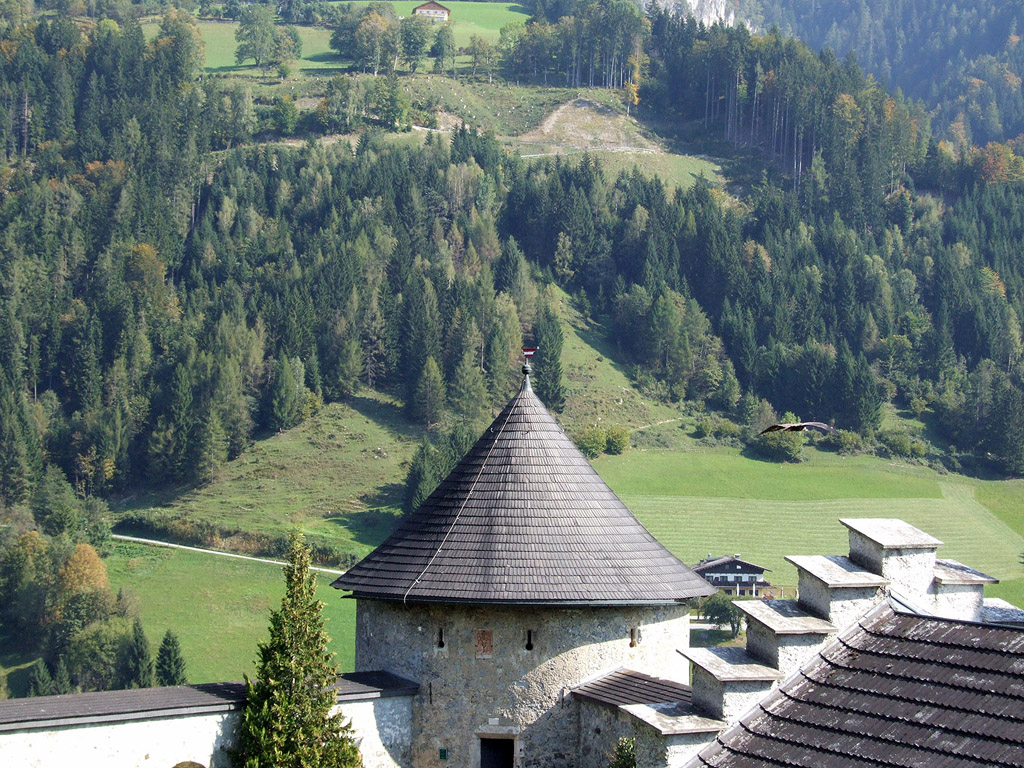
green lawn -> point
(723, 503)
(468, 19)
(338, 477)
(218, 606)
(219, 47)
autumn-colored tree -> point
(83, 572)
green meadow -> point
(467, 20)
(218, 606)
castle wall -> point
(382, 728)
(484, 682)
(160, 741)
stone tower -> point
(519, 578)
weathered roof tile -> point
(523, 518)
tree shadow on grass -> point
(386, 413)
(369, 527)
(593, 335)
(18, 658)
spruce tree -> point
(135, 667)
(469, 396)
(287, 722)
(170, 664)
(428, 399)
(548, 360)
(40, 683)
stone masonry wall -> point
(478, 679)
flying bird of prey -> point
(799, 426)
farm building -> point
(522, 618)
(433, 11)
(735, 576)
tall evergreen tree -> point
(547, 362)
(135, 666)
(170, 664)
(40, 683)
(287, 722)
(428, 400)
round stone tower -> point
(521, 577)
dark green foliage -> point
(287, 395)
(591, 442)
(624, 754)
(40, 683)
(718, 609)
(617, 438)
(779, 446)
(170, 664)
(427, 404)
(547, 362)
(135, 664)
(287, 721)
(54, 505)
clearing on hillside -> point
(586, 125)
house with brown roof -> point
(433, 11)
(735, 576)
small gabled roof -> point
(896, 690)
(523, 519)
(710, 563)
(433, 6)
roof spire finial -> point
(527, 368)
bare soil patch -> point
(582, 124)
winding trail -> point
(158, 543)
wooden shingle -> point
(523, 519)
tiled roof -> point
(146, 703)
(896, 690)
(523, 519)
(624, 686)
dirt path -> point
(157, 543)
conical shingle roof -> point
(523, 519)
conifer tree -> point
(548, 361)
(136, 662)
(287, 722)
(40, 683)
(170, 664)
(428, 400)
(62, 678)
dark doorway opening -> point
(497, 753)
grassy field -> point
(467, 19)
(219, 607)
(700, 503)
(337, 477)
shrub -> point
(617, 440)
(779, 446)
(591, 442)
(896, 441)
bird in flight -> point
(799, 426)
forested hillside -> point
(175, 280)
(963, 60)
